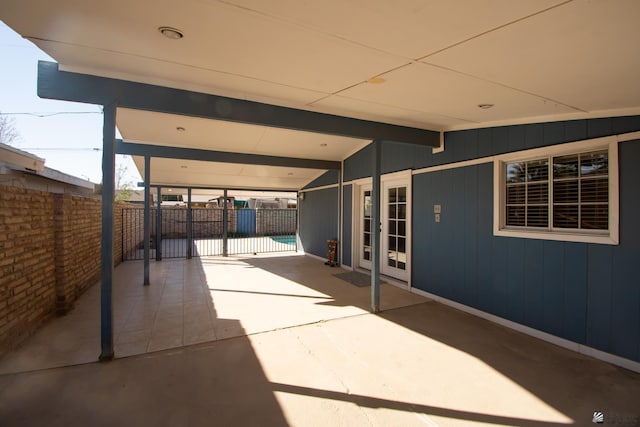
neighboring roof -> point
(16, 158)
(12, 158)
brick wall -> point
(49, 255)
(208, 223)
(271, 222)
(27, 264)
(77, 247)
(129, 229)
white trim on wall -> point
(323, 187)
(561, 342)
(455, 165)
(635, 111)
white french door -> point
(395, 236)
(364, 227)
(395, 240)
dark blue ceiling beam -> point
(75, 87)
(166, 152)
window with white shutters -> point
(559, 195)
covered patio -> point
(336, 101)
(280, 340)
(191, 301)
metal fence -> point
(201, 233)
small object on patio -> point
(333, 248)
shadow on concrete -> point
(216, 383)
(225, 383)
(573, 384)
(376, 403)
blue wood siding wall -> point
(327, 178)
(586, 293)
(347, 215)
(318, 220)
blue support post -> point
(189, 226)
(106, 269)
(147, 217)
(225, 226)
(159, 225)
(375, 227)
(340, 225)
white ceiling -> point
(536, 60)
(167, 129)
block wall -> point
(50, 253)
(27, 263)
(271, 222)
(77, 247)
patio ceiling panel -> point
(322, 56)
(194, 132)
(184, 173)
(176, 75)
(411, 28)
(454, 95)
(418, 64)
(581, 54)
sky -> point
(67, 135)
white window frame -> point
(607, 237)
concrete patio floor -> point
(199, 300)
(284, 342)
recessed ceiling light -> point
(180, 129)
(485, 106)
(376, 80)
(171, 33)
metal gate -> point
(249, 231)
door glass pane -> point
(392, 227)
(367, 203)
(392, 195)
(390, 261)
(366, 225)
(392, 243)
(402, 244)
(402, 194)
(397, 227)
(402, 228)
(402, 211)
